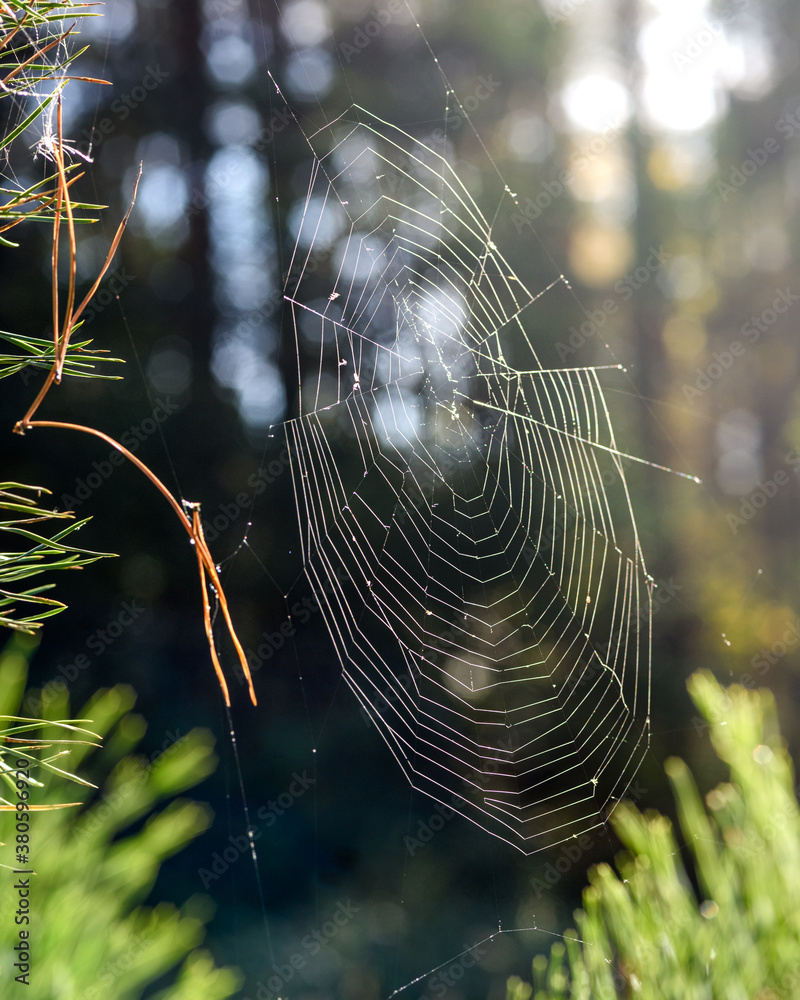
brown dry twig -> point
(62, 330)
(194, 529)
(72, 315)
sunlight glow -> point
(231, 59)
(594, 101)
(310, 73)
(305, 23)
(690, 57)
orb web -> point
(466, 525)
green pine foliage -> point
(645, 932)
(37, 554)
(35, 61)
(89, 934)
(77, 859)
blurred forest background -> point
(654, 149)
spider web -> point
(472, 545)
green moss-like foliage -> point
(644, 932)
(89, 935)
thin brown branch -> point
(87, 79)
(193, 528)
(22, 426)
(73, 250)
(44, 197)
(202, 546)
(61, 336)
(54, 291)
(112, 251)
(45, 388)
(61, 342)
(37, 54)
(10, 35)
(207, 609)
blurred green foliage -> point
(94, 865)
(726, 925)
